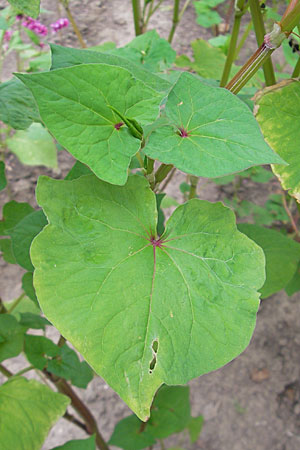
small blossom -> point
(59, 24)
(19, 17)
(35, 26)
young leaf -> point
(128, 436)
(28, 410)
(22, 236)
(11, 337)
(278, 110)
(85, 124)
(39, 350)
(78, 444)
(210, 133)
(282, 256)
(206, 15)
(34, 146)
(17, 106)
(3, 181)
(29, 7)
(194, 427)
(66, 57)
(155, 310)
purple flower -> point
(59, 24)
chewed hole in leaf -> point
(154, 350)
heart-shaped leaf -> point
(74, 103)
(156, 310)
(210, 132)
(29, 7)
(28, 410)
(277, 114)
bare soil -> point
(253, 403)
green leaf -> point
(66, 57)
(77, 171)
(17, 105)
(6, 250)
(22, 236)
(194, 427)
(278, 110)
(170, 412)
(197, 300)
(11, 338)
(78, 444)
(27, 286)
(294, 285)
(29, 7)
(30, 320)
(85, 124)
(160, 214)
(39, 350)
(25, 306)
(34, 146)
(206, 16)
(148, 49)
(210, 117)
(13, 213)
(68, 366)
(127, 435)
(28, 410)
(3, 181)
(282, 256)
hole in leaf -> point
(154, 350)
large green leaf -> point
(34, 146)
(29, 7)
(210, 132)
(17, 106)
(277, 114)
(282, 256)
(28, 410)
(66, 57)
(151, 314)
(11, 337)
(74, 103)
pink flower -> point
(7, 35)
(59, 24)
(35, 26)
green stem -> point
(183, 9)
(291, 16)
(175, 20)
(65, 4)
(296, 71)
(27, 369)
(243, 39)
(136, 8)
(15, 303)
(233, 42)
(193, 189)
(7, 373)
(260, 32)
(150, 165)
(140, 159)
(162, 172)
(152, 11)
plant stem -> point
(27, 369)
(61, 341)
(136, 8)
(296, 71)
(239, 11)
(260, 32)
(243, 39)
(5, 371)
(293, 223)
(151, 12)
(175, 20)
(80, 407)
(290, 17)
(75, 421)
(65, 4)
(194, 184)
(15, 303)
(167, 181)
(162, 172)
(183, 9)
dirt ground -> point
(253, 403)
